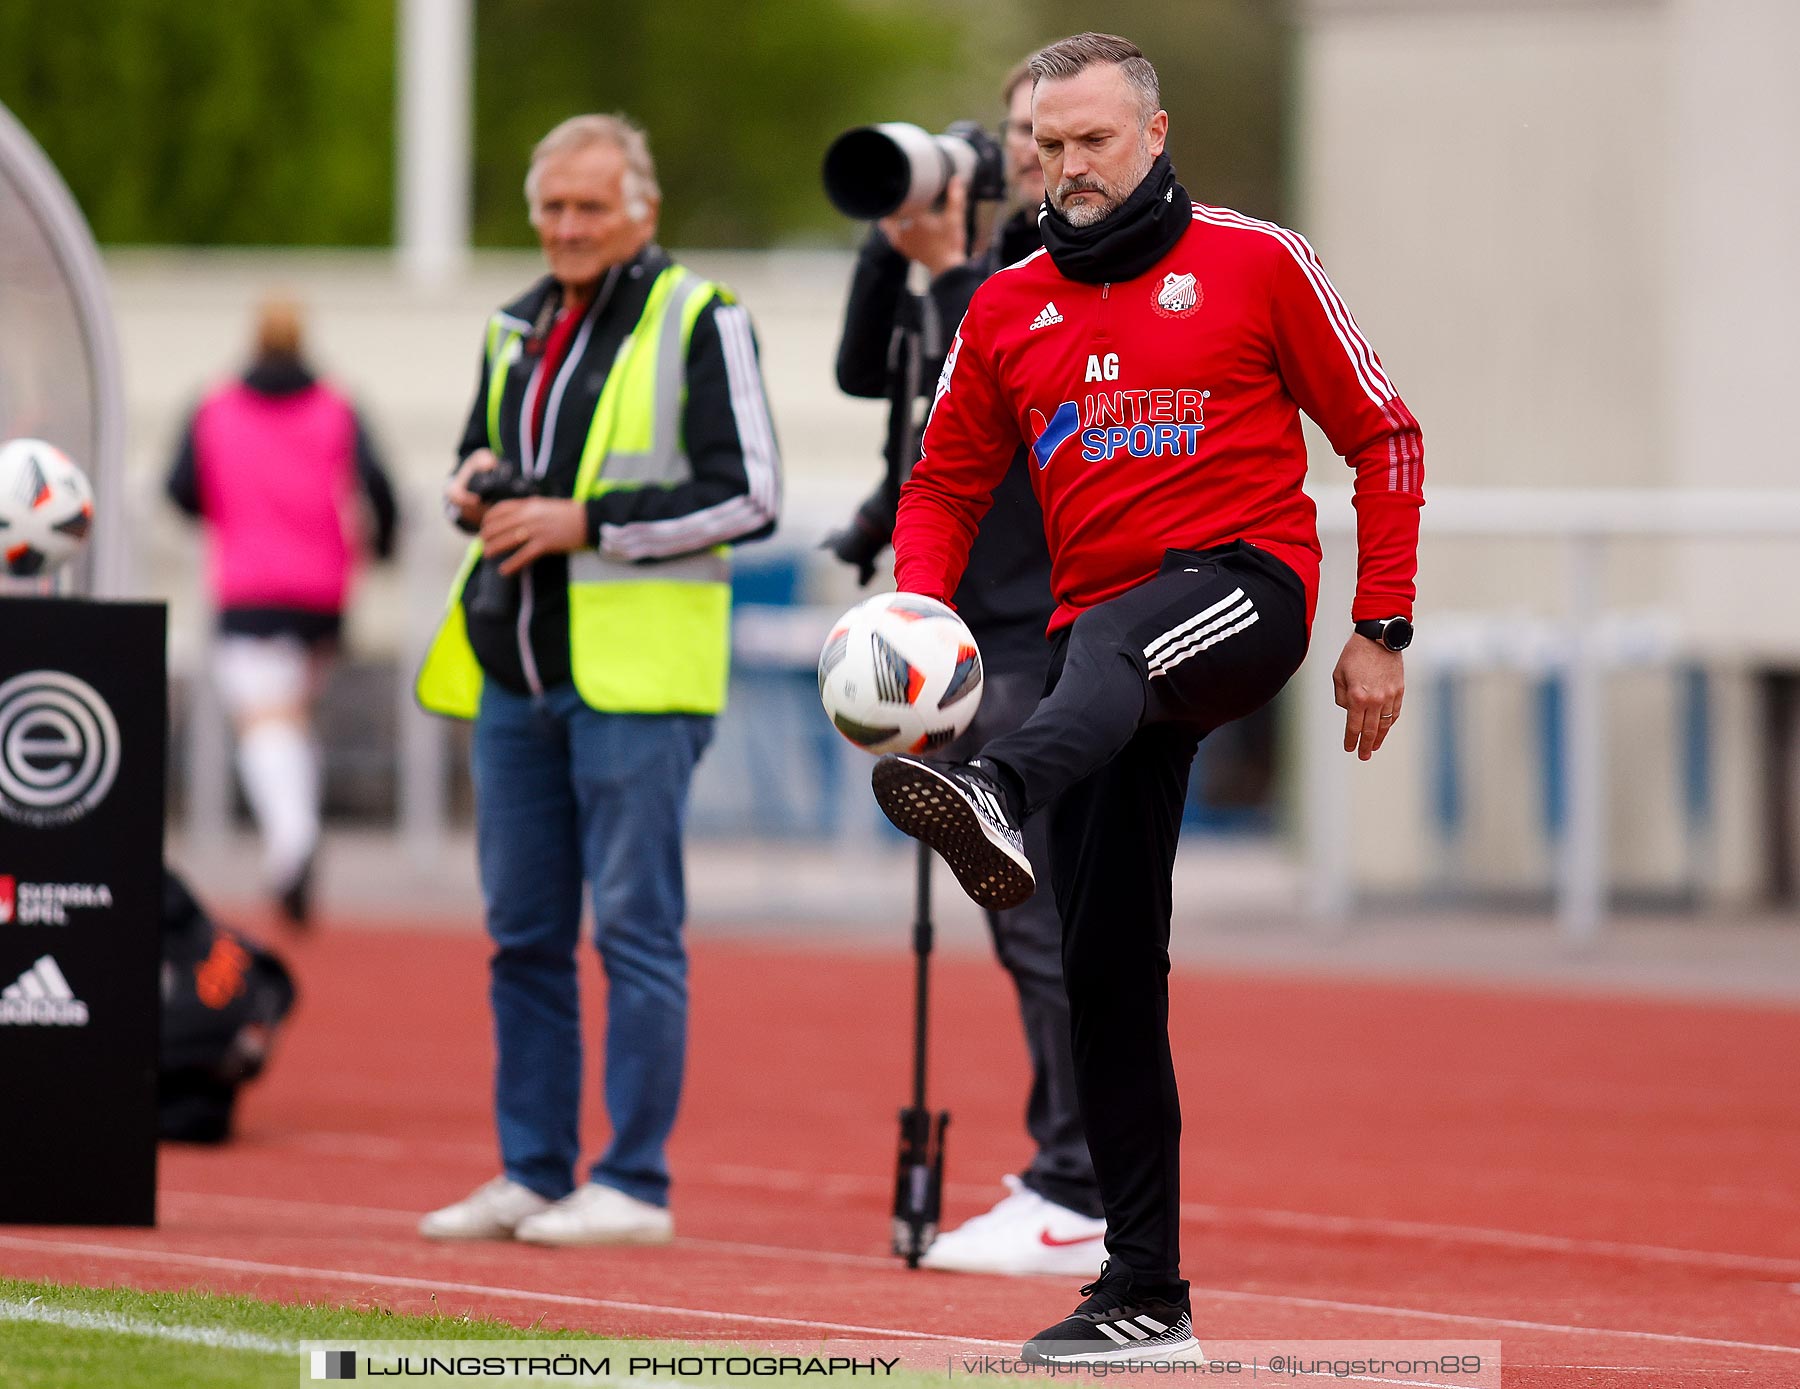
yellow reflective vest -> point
(644, 638)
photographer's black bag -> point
(224, 998)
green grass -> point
(38, 1355)
(121, 1341)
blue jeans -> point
(563, 794)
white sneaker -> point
(1023, 1234)
(489, 1212)
(597, 1214)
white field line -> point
(213, 1337)
(218, 1338)
(144, 1255)
(139, 1254)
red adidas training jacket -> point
(1164, 412)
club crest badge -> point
(1179, 294)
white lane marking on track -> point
(1414, 1383)
(1222, 1294)
(1473, 1234)
(1646, 1369)
(1475, 1319)
(394, 1280)
(213, 1337)
(1303, 1221)
(845, 1184)
(410, 1219)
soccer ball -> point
(46, 507)
(900, 673)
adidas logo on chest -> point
(1047, 316)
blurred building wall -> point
(1568, 226)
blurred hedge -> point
(271, 122)
(255, 121)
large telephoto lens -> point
(878, 170)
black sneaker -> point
(1117, 1323)
(295, 899)
(960, 811)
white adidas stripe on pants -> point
(1152, 651)
(1225, 618)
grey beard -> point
(1087, 214)
(1090, 214)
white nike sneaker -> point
(597, 1214)
(1023, 1234)
(491, 1211)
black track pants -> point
(1134, 685)
(1028, 942)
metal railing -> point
(1583, 522)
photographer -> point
(619, 441)
(1050, 1223)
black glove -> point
(861, 542)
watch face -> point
(1397, 635)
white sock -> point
(280, 769)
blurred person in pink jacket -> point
(276, 465)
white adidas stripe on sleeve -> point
(1369, 373)
(714, 525)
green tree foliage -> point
(1225, 72)
(248, 122)
(271, 121)
(739, 100)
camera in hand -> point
(877, 170)
(491, 593)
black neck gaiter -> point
(1138, 233)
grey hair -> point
(1079, 52)
(625, 135)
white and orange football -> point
(900, 673)
(46, 507)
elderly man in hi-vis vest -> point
(618, 443)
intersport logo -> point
(1140, 424)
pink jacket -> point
(277, 478)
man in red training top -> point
(1155, 356)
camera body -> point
(876, 171)
(491, 593)
(501, 483)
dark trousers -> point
(1134, 685)
(1028, 942)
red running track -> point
(1610, 1187)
